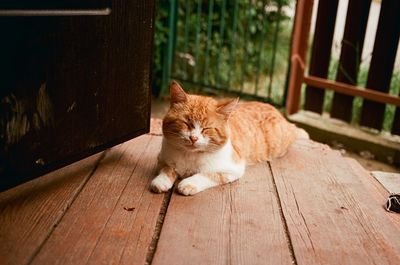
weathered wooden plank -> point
(128, 233)
(350, 55)
(365, 176)
(382, 61)
(334, 213)
(97, 229)
(321, 51)
(29, 212)
(238, 223)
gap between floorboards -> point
(157, 230)
(286, 228)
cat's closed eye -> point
(207, 129)
(188, 124)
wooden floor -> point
(311, 207)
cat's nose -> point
(193, 138)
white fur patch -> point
(161, 183)
(195, 184)
(197, 131)
(221, 161)
(188, 163)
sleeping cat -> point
(208, 142)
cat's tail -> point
(302, 134)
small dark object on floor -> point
(129, 209)
(393, 203)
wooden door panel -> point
(72, 86)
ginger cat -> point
(209, 142)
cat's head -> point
(196, 123)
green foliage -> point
(229, 44)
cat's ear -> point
(226, 106)
(177, 93)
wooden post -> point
(382, 61)
(350, 56)
(321, 52)
(299, 51)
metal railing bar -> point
(169, 55)
(209, 26)
(274, 48)
(289, 65)
(197, 40)
(245, 54)
(260, 51)
(186, 34)
(221, 44)
(232, 49)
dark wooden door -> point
(74, 80)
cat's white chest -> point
(185, 163)
(189, 163)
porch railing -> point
(238, 46)
(243, 47)
(376, 94)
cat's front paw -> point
(161, 183)
(195, 184)
(187, 188)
